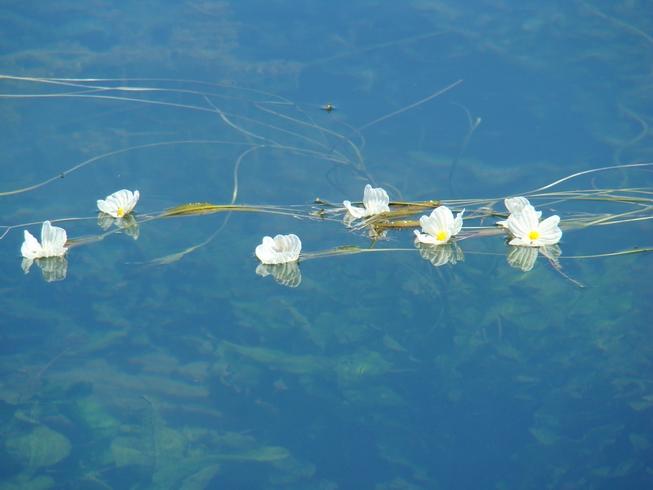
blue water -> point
(166, 361)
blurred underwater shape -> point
(417, 376)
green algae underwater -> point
(188, 381)
(160, 355)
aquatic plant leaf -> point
(281, 360)
(127, 451)
(39, 448)
(264, 454)
(200, 479)
(192, 208)
(25, 482)
(544, 436)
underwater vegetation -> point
(162, 413)
(440, 312)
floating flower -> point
(53, 241)
(375, 201)
(528, 231)
(515, 205)
(279, 250)
(524, 257)
(287, 274)
(439, 255)
(119, 204)
(53, 244)
(439, 227)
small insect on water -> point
(328, 107)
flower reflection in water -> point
(439, 255)
(127, 224)
(52, 268)
(524, 257)
(287, 274)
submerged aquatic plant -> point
(439, 227)
(375, 201)
(279, 250)
(119, 204)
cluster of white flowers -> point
(435, 241)
(50, 252)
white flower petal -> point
(429, 224)
(441, 225)
(425, 238)
(457, 224)
(53, 240)
(519, 225)
(31, 248)
(280, 249)
(354, 211)
(516, 204)
(108, 207)
(443, 217)
(120, 203)
(521, 242)
(375, 200)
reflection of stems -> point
(633, 141)
(618, 22)
(473, 124)
(411, 106)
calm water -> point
(163, 360)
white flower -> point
(119, 204)
(439, 227)
(53, 241)
(515, 205)
(287, 274)
(438, 255)
(524, 257)
(279, 250)
(375, 201)
(53, 244)
(528, 231)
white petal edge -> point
(31, 248)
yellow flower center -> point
(534, 235)
(120, 213)
(441, 236)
